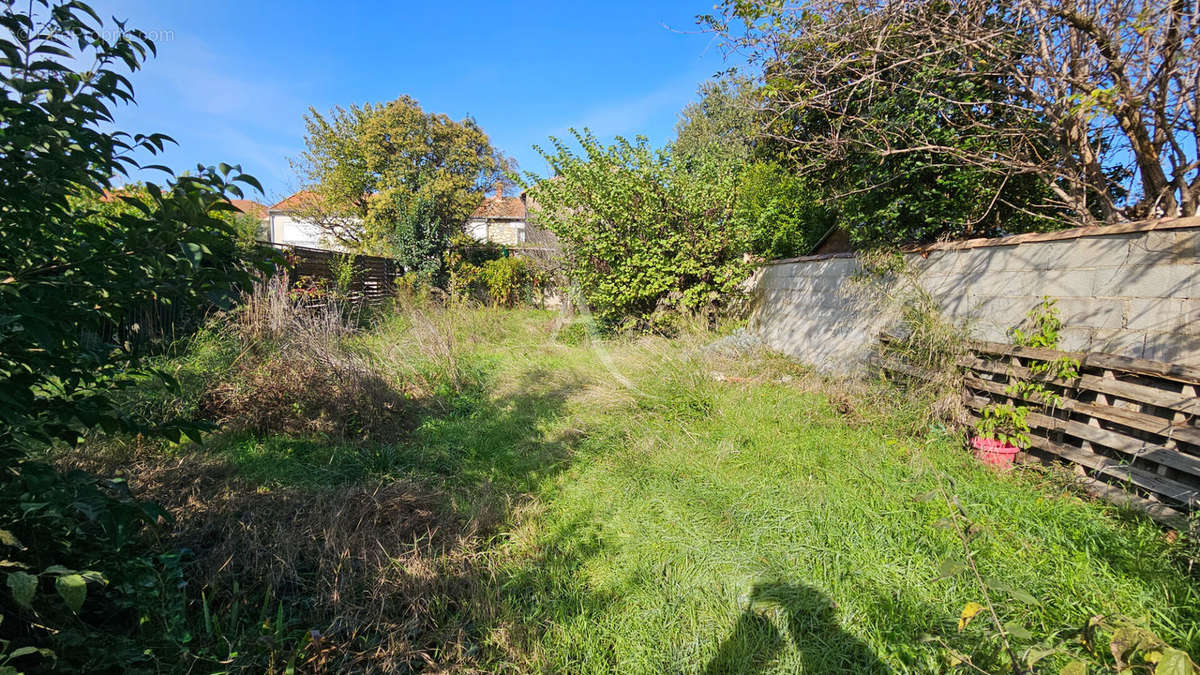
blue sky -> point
(233, 80)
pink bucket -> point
(994, 452)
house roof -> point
(500, 208)
(295, 201)
(250, 207)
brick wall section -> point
(1132, 290)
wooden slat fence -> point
(374, 277)
(1132, 426)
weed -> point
(615, 506)
(297, 373)
(921, 338)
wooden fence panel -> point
(374, 277)
(1132, 426)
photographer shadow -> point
(756, 641)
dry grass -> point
(297, 374)
(380, 574)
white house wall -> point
(504, 232)
(477, 230)
(288, 230)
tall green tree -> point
(394, 179)
(1012, 114)
(777, 213)
(722, 126)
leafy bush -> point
(77, 562)
(779, 213)
(1008, 422)
(74, 269)
(644, 238)
(505, 278)
(488, 273)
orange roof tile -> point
(250, 207)
(501, 208)
(301, 198)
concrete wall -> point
(1131, 290)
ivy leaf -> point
(23, 586)
(73, 590)
(969, 611)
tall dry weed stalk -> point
(297, 372)
(433, 324)
(921, 338)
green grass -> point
(724, 527)
(658, 519)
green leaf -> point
(1174, 662)
(1034, 654)
(1016, 593)
(1018, 631)
(195, 252)
(24, 586)
(73, 590)
(1023, 596)
(950, 567)
(1074, 668)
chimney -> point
(499, 189)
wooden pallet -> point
(1131, 425)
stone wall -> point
(1128, 289)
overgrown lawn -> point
(652, 505)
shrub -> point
(486, 272)
(642, 235)
(74, 269)
(779, 213)
(506, 280)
